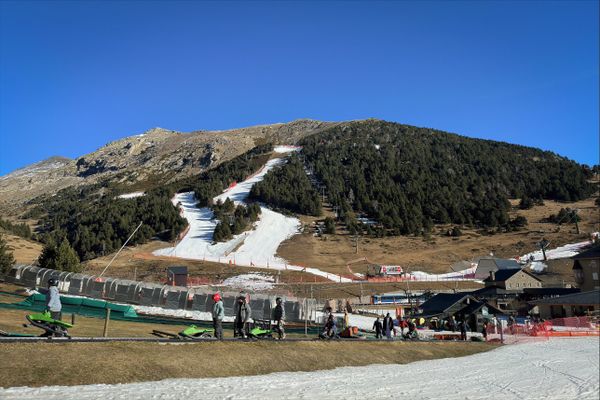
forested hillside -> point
(408, 178)
(287, 187)
(211, 183)
(95, 224)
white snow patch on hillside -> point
(554, 369)
(256, 247)
(252, 281)
(286, 149)
(566, 251)
(131, 195)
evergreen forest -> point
(408, 178)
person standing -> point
(242, 313)
(378, 328)
(53, 303)
(279, 317)
(218, 313)
(462, 325)
(388, 325)
(452, 322)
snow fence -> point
(157, 295)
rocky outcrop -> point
(158, 152)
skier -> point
(279, 316)
(242, 313)
(378, 328)
(388, 325)
(53, 303)
(218, 313)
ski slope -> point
(555, 369)
(256, 247)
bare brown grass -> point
(438, 252)
(110, 363)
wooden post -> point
(106, 320)
(305, 318)
(72, 319)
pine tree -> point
(60, 258)
(6, 257)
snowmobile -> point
(191, 332)
(261, 330)
(52, 327)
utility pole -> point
(543, 245)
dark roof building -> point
(448, 304)
(586, 269)
(487, 265)
(513, 279)
(569, 305)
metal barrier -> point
(158, 295)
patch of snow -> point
(566, 251)
(553, 369)
(465, 274)
(253, 248)
(252, 281)
(131, 195)
(538, 267)
(286, 149)
(186, 314)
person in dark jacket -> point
(462, 325)
(330, 328)
(279, 317)
(242, 312)
(388, 325)
(378, 328)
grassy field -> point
(109, 363)
(437, 252)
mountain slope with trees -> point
(287, 187)
(408, 178)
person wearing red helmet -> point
(218, 313)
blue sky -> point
(77, 75)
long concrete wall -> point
(156, 295)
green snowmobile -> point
(261, 330)
(191, 332)
(52, 327)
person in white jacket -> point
(53, 303)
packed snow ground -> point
(256, 247)
(252, 281)
(554, 369)
(566, 251)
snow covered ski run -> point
(555, 369)
(254, 248)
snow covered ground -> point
(256, 247)
(554, 369)
(566, 251)
(131, 195)
(252, 281)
